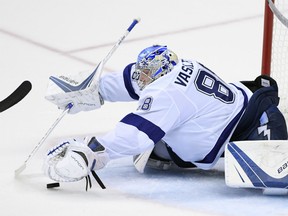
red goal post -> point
(275, 49)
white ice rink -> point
(41, 38)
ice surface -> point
(43, 38)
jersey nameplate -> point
(185, 74)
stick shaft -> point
(121, 39)
(113, 49)
(21, 168)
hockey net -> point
(275, 49)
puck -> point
(53, 185)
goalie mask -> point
(154, 62)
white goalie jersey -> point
(191, 109)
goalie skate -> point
(159, 163)
(152, 161)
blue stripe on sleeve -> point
(127, 82)
(154, 132)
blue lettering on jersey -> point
(185, 74)
(147, 103)
(210, 84)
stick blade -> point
(16, 96)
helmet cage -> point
(154, 62)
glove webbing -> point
(88, 180)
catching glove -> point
(72, 161)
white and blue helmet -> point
(154, 62)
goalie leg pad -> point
(257, 164)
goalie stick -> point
(94, 79)
(16, 96)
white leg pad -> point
(257, 164)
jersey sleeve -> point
(119, 86)
(140, 130)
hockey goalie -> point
(186, 116)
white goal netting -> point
(279, 57)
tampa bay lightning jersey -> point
(193, 110)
